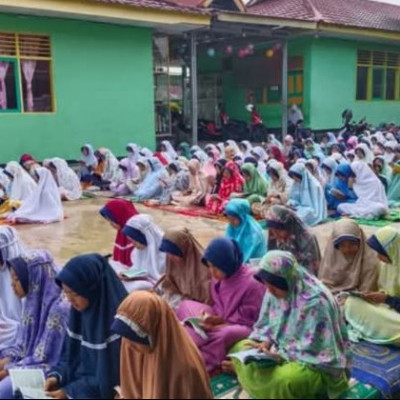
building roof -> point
(165, 5)
(236, 4)
(351, 13)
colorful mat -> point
(378, 366)
(187, 211)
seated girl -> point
(315, 170)
(124, 181)
(236, 297)
(301, 329)
(88, 163)
(340, 192)
(22, 185)
(198, 187)
(89, 363)
(382, 171)
(261, 157)
(67, 180)
(371, 202)
(185, 277)
(231, 182)
(312, 149)
(152, 338)
(278, 190)
(255, 186)
(133, 151)
(375, 316)
(307, 196)
(184, 150)
(178, 181)
(245, 230)
(29, 164)
(349, 265)
(151, 187)
(44, 205)
(288, 233)
(38, 342)
(10, 305)
(329, 167)
(148, 261)
(168, 151)
(364, 154)
(117, 213)
(110, 164)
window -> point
(378, 74)
(25, 73)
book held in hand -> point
(195, 323)
(134, 273)
(254, 355)
(28, 383)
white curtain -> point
(29, 67)
(4, 65)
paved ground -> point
(85, 230)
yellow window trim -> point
(113, 13)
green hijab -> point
(257, 185)
(184, 148)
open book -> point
(254, 355)
(195, 323)
(29, 383)
(134, 273)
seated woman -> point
(185, 277)
(184, 150)
(372, 202)
(44, 205)
(168, 151)
(177, 182)
(198, 187)
(245, 230)
(375, 316)
(236, 297)
(288, 233)
(152, 338)
(124, 182)
(118, 213)
(382, 171)
(364, 154)
(278, 190)
(349, 265)
(255, 188)
(394, 187)
(262, 157)
(89, 363)
(133, 151)
(307, 196)
(67, 180)
(314, 169)
(246, 147)
(38, 342)
(22, 185)
(312, 149)
(340, 191)
(148, 261)
(301, 329)
(329, 167)
(29, 164)
(231, 182)
(88, 163)
(10, 305)
(151, 187)
(111, 163)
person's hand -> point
(3, 374)
(51, 385)
(212, 322)
(4, 362)
(377, 298)
(59, 394)
(124, 278)
(263, 347)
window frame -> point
(371, 67)
(18, 57)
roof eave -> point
(106, 13)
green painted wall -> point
(103, 84)
(234, 96)
(333, 85)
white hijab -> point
(90, 160)
(369, 155)
(68, 180)
(111, 169)
(44, 204)
(151, 258)
(22, 185)
(134, 154)
(10, 306)
(249, 148)
(171, 153)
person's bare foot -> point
(228, 368)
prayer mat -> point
(358, 390)
(378, 366)
(200, 212)
(379, 223)
(224, 386)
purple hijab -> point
(44, 317)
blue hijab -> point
(249, 234)
(330, 164)
(315, 151)
(307, 197)
(89, 366)
(343, 170)
(151, 187)
(225, 254)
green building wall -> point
(103, 88)
(333, 85)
